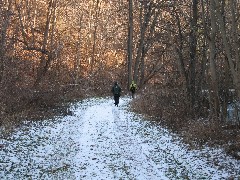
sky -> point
(101, 141)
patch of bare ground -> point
(170, 109)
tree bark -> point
(235, 33)
(146, 46)
(130, 41)
(179, 51)
(143, 26)
(97, 11)
(212, 51)
(235, 71)
(193, 48)
(5, 22)
(78, 49)
(45, 62)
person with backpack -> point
(133, 88)
(116, 90)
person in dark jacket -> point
(116, 90)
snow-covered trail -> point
(100, 141)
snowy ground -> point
(100, 141)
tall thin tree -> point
(130, 40)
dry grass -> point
(167, 106)
(171, 110)
(35, 104)
(19, 103)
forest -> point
(183, 55)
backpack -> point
(116, 90)
(132, 87)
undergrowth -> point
(170, 108)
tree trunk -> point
(97, 11)
(235, 31)
(130, 41)
(234, 71)
(146, 46)
(142, 68)
(45, 62)
(93, 49)
(5, 19)
(179, 51)
(193, 48)
(78, 49)
(213, 71)
(143, 26)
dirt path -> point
(100, 141)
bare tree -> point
(5, 16)
(193, 48)
(96, 10)
(213, 72)
(233, 62)
(144, 19)
(45, 47)
(130, 41)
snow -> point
(101, 141)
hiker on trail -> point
(133, 88)
(116, 90)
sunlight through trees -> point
(190, 48)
